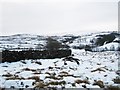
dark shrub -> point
(105, 38)
(53, 44)
(88, 48)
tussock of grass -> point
(51, 74)
(113, 88)
(53, 77)
(98, 69)
(50, 67)
(28, 69)
(117, 80)
(15, 78)
(45, 85)
(40, 85)
(23, 62)
(12, 77)
(73, 84)
(7, 75)
(78, 81)
(98, 63)
(17, 72)
(36, 78)
(57, 83)
(38, 63)
(58, 67)
(48, 73)
(64, 74)
(99, 83)
(2, 88)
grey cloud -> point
(49, 18)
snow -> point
(93, 66)
(88, 61)
(22, 41)
(110, 46)
(17, 83)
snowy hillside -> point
(26, 41)
(93, 40)
(22, 41)
(86, 67)
(94, 70)
(105, 41)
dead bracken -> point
(36, 78)
(7, 75)
(28, 69)
(117, 80)
(78, 81)
(56, 83)
(53, 77)
(15, 78)
(99, 83)
(113, 87)
(40, 85)
(98, 69)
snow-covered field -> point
(83, 69)
(95, 70)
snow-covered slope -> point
(95, 40)
(27, 41)
(95, 70)
(113, 46)
(84, 69)
(22, 41)
(105, 41)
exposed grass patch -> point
(56, 83)
(78, 81)
(36, 78)
(99, 83)
(51, 74)
(48, 73)
(50, 67)
(73, 84)
(64, 74)
(116, 80)
(38, 63)
(98, 63)
(98, 69)
(40, 85)
(113, 88)
(2, 88)
(28, 69)
(23, 62)
(7, 75)
(12, 77)
(53, 77)
(15, 78)
(17, 72)
(45, 85)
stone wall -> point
(12, 56)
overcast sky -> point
(49, 17)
